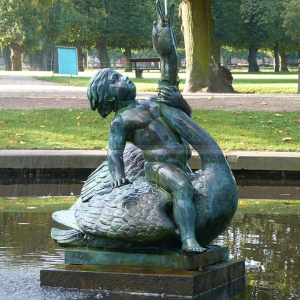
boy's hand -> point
(119, 182)
(173, 98)
(170, 97)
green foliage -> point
(255, 24)
(25, 22)
(226, 21)
(291, 19)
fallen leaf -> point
(263, 103)
(22, 142)
(77, 118)
(36, 113)
(265, 141)
(297, 121)
(78, 123)
(11, 142)
(250, 117)
(71, 109)
(212, 97)
(278, 115)
(42, 126)
(219, 106)
(270, 121)
(2, 122)
(287, 139)
(84, 117)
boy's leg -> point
(174, 180)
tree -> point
(291, 21)
(118, 24)
(226, 16)
(203, 65)
(277, 40)
(21, 26)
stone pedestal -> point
(170, 274)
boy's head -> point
(106, 87)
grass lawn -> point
(260, 83)
(24, 204)
(85, 129)
(50, 204)
(275, 207)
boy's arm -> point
(116, 145)
(174, 98)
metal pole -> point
(299, 76)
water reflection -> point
(270, 246)
(268, 242)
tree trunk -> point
(276, 58)
(40, 61)
(283, 64)
(80, 57)
(219, 53)
(127, 53)
(103, 55)
(6, 57)
(263, 60)
(253, 65)
(202, 63)
(16, 56)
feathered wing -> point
(132, 213)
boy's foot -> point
(191, 246)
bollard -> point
(299, 76)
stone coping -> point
(91, 159)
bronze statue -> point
(145, 193)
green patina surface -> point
(167, 260)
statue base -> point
(161, 260)
(89, 269)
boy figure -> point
(165, 153)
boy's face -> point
(121, 87)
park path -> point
(30, 93)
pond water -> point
(267, 237)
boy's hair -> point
(98, 93)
